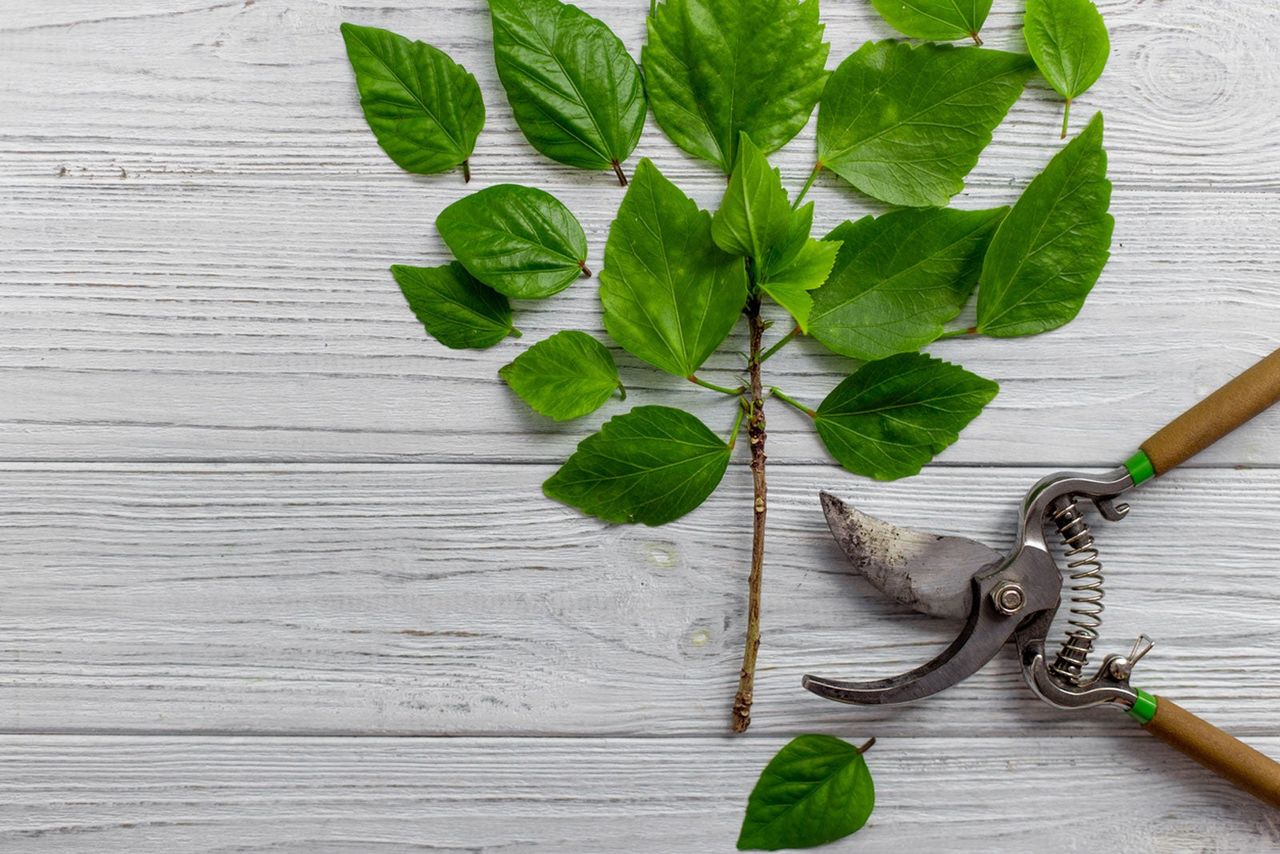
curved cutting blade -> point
(928, 572)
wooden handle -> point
(1222, 754)
(1215, 416)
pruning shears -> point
(1017, 595)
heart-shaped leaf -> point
(456, 310)
(717, 68)
(565, 376)
(891, 417)
(906, 124)
(1049, 251)
(575, 91)
(651, 465)
(939, 20)
(1069, 42)
(518, 240)
(817, 789)
(424, 109)
(670, 294)
(898, 278)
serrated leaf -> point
(898, 278)
(457, 310)
(906, 124)
(1068, 41)
(520, 241)
(789, 283)
(891, 417)
(817, 789)
(651, 465)
(424, 109)
(718, 68)
(575, 91)
(565, 376)
(940, 20)
(1047, 254)
(755, 214)
(670, 294)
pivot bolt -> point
(1008, 597)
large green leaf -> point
(717, 68)
(906, 124)
(575, 91)
(670, 294)
(1069, 42)
(424, 109)
(891, 417)
(651, 465)
(565, 376)
(456, 310)
(518, 240)
(816, 790)
(898, 278)
(1051, 248)
(940, 20)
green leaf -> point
(717, 68)
(670, 294)
(789, 283)
(906, 124)
(565, 376)
(518, 240)
(892, 416)
(575, 91)
(816, 790)
(899, 277)
(1051, 248)
(424, 109)
(651, 465)
(939, 20)
(457, 310)
(755, 215)
(1069, 42)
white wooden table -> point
(275, 570)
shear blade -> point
(925, 571)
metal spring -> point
(1086, 589)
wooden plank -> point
(137, 795)
(454, 599)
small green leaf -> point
(457, 310)
(651, 465)
(1049, 251)
(563, 377)
(899, 277)
(520, 241)
(939, 20)
(1069, 42)
(575, 91)
(789, 283)
(906, 124)
(717, 68)
(424, 109)
(755, 215)
(817, 789)
(670, 294)
(892, 416)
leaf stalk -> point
(784, 341)
(791, 401)
(804, 191)
(732, 392)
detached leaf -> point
(520, 241)
(892, 416)
(1051, 248)
(717, 68)
(457, 310)
(789, 285)
(651, 465)
(424, 109)
(899, 277)
(816, 790)
(670, 294)
(565, 376)
(1069, 42)
(939, 20)
(575, 91)
(906, 124)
